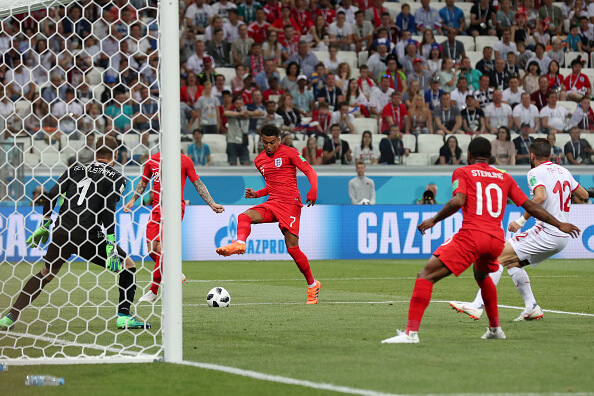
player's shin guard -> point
(127, 287)
(522, 282)
(29, 293)
(157, 273)
(244, 227)
(489, 293)
(419, 302)
(302, 262)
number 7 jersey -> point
(559, 184)
(487, 190)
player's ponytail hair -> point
(541, 148)
(106, 147)
(270, 130)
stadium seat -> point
(352, 139)
(489, 136)
(228, 72)
(32, 159)
(252, 143)
(71, 145)
(590, 73)
(131, 140)
(484, 41)
(410, 142)
(217, 143)
(539, 136)
(25, 141)
(474, 57)
(440, 38)
(94, 75)
(565, 71)
(468, 41)
(366, 124)
(463, 141)
(589, 137)
(299, 144)
(22, 108)
(569, 105)
(513, 136)
(570, 56)
(562, 139)
(429, 144)
(97, 92)
(433, 158)
(349, 57)
(416, 159)
(218, 159)
(322, 55)
(363, 56)
(184, 146)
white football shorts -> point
(536, 245)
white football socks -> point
(495, 276)
(522, 282)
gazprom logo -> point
(588, 238)
(228, 234)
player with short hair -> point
(481, 192)
(278, 165)
(90, 194)
(152, 170)
(550, 186)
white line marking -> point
(550, 310)
(286, 380)
(348, 279)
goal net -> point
(74, 72)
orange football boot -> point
(313, 293)
(233, 248)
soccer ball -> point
(218, 297)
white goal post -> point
(44, 344)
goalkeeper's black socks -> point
(127, 288)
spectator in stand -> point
(512, 67)
(198, 14)
(302, 16)
(578, 151)
(219, 49)
(68, 113)
(481, 15)
(523, 55)
(447, 117)
(380, 97)
(427, 17)
(306, 60)
(318, 34)
(362, 32)
(473, 118)
(208, 72)
(120, 112)
(395, 113)
(343, 75)
(400, 48)
(543, 61)
(238, 125)
(274, 92)
(450, 153)
(258, 30)
(484, 95)
(557, 156)
(405, 20)
(498, 114)
(361, 188)
(540, 98)
(503, 149)
(303, 97)
(586, 33)
(343, 118)
(207, 111)
(219, 87)
(366, 84)
(237, 84)
(448, 76)
(392, 151)
(505, 18)
(341, 33)
(526, 113)
(413, 90)
(256, 60)
(221, 8)
(487, 64)
(433, 96)
(326, 10)
(258, 111)
(289, 43)
(271, 116)
(247, 10)
(367, 152)
(19, 81)
(522, 144)
(272, 49)
(499, 78)
(146, 113)
(84, 155)
(583, 116)
(336, 150)
(420, 74)
(263, 78)
(289, 82)
(396, 77)
(199, 152)
(311, 152)
(427, 43)
(411, 56)
(532, 79)
(554, 13)
(349, 10)
(287, 110)
(231, 26)
(331, 93)
(195, 62)
(453, 18)
(460, 94)
(421, 120)
(272, 8)
(556, 80)
(505, 45)
(377, 62)
(240, 48)
(577, 84)
(332, 62)
(472, 75)
(390, 29)
(513, 95)
(557, 52)
(285, 20)
(322, 116)
(452, 48)
(553, 115)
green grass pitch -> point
(269, 329)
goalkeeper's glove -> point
(113, 262)
(40, 234)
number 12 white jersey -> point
(559, 184)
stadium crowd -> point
(346, 80)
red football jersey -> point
(152, 169)
(577, 83)
(258, 33)
(280, 174)
(486, 190)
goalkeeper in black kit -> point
(90, 193)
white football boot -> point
(494, 333)
(148, 297)
(474, 313)
(530, 314)
(402, 338)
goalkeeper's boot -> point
(233, 248)
(402, 338)
(6, 322)
(530, 314)
(148, 297)
(183, 277)
(474, 313)
(494, 333)
(313, 293)
(129, 322)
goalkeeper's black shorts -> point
(90, 247)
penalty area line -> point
(286, 380)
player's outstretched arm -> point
(140, 187)
(312, 177)
(451, 207)
(541, 214)
(581, 193)
(540, 196)
(203, 191)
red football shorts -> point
(467, 247)
(154, 226)
(287, 215)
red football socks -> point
(419, 301)
(489, 293)
(244, 227)
(302, 262)
(156, 272)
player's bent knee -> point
(130, 263)
(254, 216)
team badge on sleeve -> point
(302, 159)
(278, 162)
(533, 181)
(455, 184)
